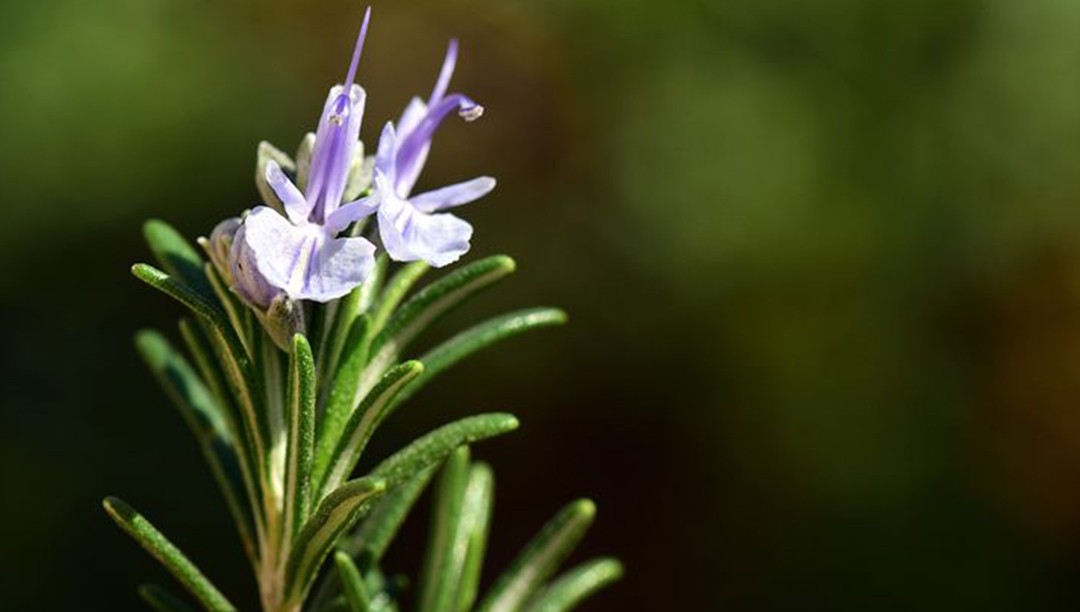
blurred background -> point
(822, 262)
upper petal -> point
(453, 195)
(296, 206)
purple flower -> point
(412, 227)
(300, 253)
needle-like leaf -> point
(208, 422)
(436, 445)
(343, 396)
(447, 545)
(476, 520)
(177, 256)
(479, 337)
(371, 539)
(355, 592)
(395, 291)
(540, 558)
(300, 408)
(330, 519)
(575, 585)
(230, 351)
(426, 306)
(339, 463)
(167, 554)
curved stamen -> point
(445, 73)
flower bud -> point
(283, 320)
(219, 244)
(247, 281)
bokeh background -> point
(822, 261)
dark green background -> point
(822, 261)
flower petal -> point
(409, 234)
(412, 148)
(412, 116)
(351, 213)
(335, 146)
(296, 206)
(453, 195)
(305, 261)
(387, 150)
(337, 267)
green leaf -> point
(357, 431)
(167, 554)
(540, 558)
(209, 423)
(331, 518)
(300, 447)
(238, 314)
(372, 287)
(230, 352)
(395, 291)
(210, 371)
(343, 392)
(162, 600)
(355, 592)
(177, 256)
(371, 539)
(429, 304)
(479, 337)
(476, 520)
(436, 445)
(575, 585)
(448, 541)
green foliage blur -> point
(822, 262)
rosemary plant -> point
(299, 346)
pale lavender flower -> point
(300, 253)
(412, 227)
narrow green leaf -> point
(210, 371)
(355, 592)
(343, 391)
(210, 424)
(476, 520)
(540, 558)
(371, 539)
(575, 585)
(155, 543)
(436, 445)
(447, 544)
(426, 306)
(229, 350)
(300, 448)
(238, 314)
(182, 293)
(362, 423)
(479, 337)
(198, 406)
(162, 600)
(333, 516)
(372, 287)
(345, 312)
(395, 291)
(177, 256)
